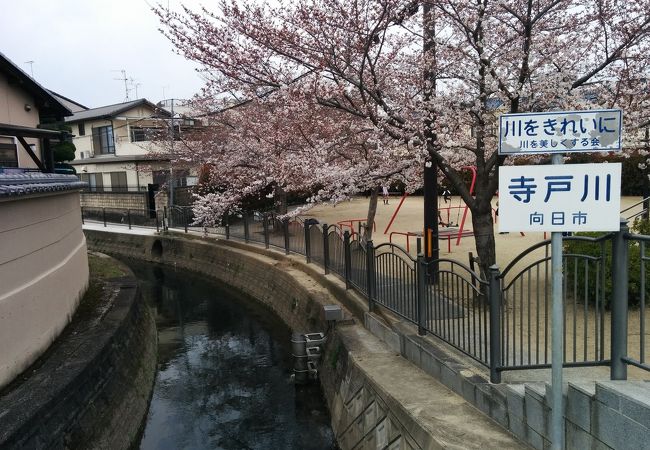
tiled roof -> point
(105, 112)
(14, 184)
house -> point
(43, 262)
(24, 105)
(116, 150)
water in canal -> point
(224, 372)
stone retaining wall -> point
(92, 389)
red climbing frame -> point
(461, 233)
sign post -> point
(557, 335)
(557, 198)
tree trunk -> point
(484, 235)
(280, 201)
(372, 211)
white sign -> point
(575, 197)
(560, 132)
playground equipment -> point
(447, 234)
(350, 223)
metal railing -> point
(502, 322)
(526, 303)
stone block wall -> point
(120, 200)
(598, 415)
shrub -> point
(578, 277)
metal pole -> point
(431, 250)
(370, 272)
(348, 258)
(421, 295)
(104, 216)
(307, 243)
(285, 229)
(128, 214)
(618, 369)
(265, 227)
(326, 249)
(157, 223)
(557, 336)
(227, 226)
(246, 230)
(165, 221)
(171, 161)
(82, 215)
(185, 218)
(495, 324)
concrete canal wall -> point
(92, 387)
(377, 398)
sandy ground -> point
(409, 219)
(526, 318)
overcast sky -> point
(79, 47)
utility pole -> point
(431, 251)
(171, 162)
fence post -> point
(370, 274)
(420, 275)
(347, 258)
(104, 216)
(265, 227)
(618, 370)
(326, 249)
(246, 230)
(227, 225)
(307, 243)
(128, 215)
(495, 323)
(285, 229)
(185, 218)
(82, 215)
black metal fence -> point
(503, 322)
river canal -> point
(224, 372)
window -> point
(161, 177)
(142, 134)
(94, 180)
(118, 181)
(82, 129)
(8, 155)
(138, 134)
(103, 142)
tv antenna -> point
(135, 85)
(31, 67)
(126, 83)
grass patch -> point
(103, 268)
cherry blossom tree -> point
(281, 144)
(428, 76)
